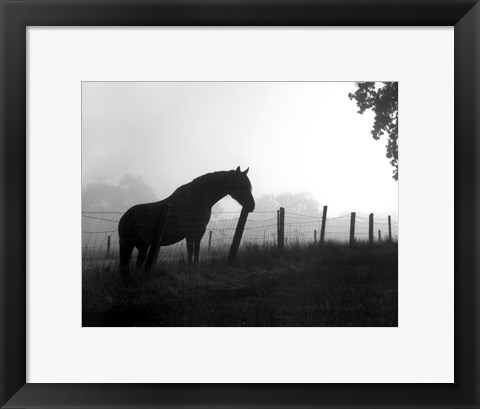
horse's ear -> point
(246, 171)
(238, 169)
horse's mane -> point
(218, 179)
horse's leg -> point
(189, 249)
(142, 255)
(126, 248)
(196, 249)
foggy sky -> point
(295, 137)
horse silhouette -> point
(190, 211)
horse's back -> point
(187, 218)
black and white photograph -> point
(240, 204)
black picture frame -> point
(16, 15)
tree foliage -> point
(383, 101)
(104, 198)
(301, 203)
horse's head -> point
(241, 189)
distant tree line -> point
(103, 197)
(132, 190)
(301, 203)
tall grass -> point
(303, 285)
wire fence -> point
(100, 241)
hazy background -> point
(296, 137)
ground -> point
(333, 285)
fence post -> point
(314, 237)
(370, 228)
(389, 228)
(324, 221)
(352, 229)
(379, 236)
(238, 235)
(108, 245)
(209, 240)
(281, 228)
(157, 238)
(278, 228)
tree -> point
(301, 203)
(102, 197)
(134, 191)
(266, 203)
(383, 101)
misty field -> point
(308, 285)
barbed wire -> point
(344, 216)
(100, 218)
(103, 244)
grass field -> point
(333, 285)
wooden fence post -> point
(157, 238)
(238, 235)
(379, 236)
(108, 246)
(209, 240)
(352, 229)
(370, 228)
(314, 237)
(389, 228)
(324, 222)
(278, 227)
(281, 228)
